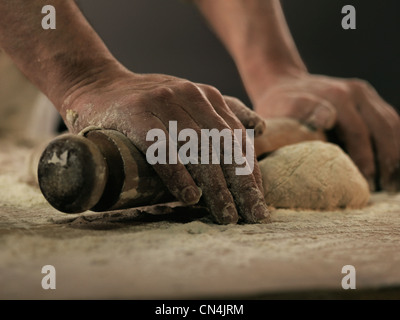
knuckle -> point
(249, 185)
(175, 177)
(214, 96)
(189, 87)
(292, 101)
(211, 91)
(236, 103)
(360, 84)
(339, 90)
(163, 93)
(192, 91)
(301, 99)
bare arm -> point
(89, 87)
(58, 60)
(257, 36)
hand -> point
(367, 126)
(134, 104)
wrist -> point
(84, 81)
(258, 38)
(57, 61)
(74, 74)
(260, 70)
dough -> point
(280, 132)
(313, 175)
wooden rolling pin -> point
(101, 170)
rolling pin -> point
(101, 170)
(97, 170)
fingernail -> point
(229, 215)
(261, 213)
(321, 118)
(250, 124)
(260, 128)
(191, 195)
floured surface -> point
(132, 254)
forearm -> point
(54, 60)
(256, 35)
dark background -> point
(171, 37)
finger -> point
(234, 121)
(216, 194)
(208, 177)
(246, 189)
(249, 118)
(356, 137)
(175, 176)
(307, 108)
(384, 125)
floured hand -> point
(366, 125)
(134, 104)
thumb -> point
(322, 116)
(306, 108)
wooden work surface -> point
(164, 253)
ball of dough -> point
(313, 175)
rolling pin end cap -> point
(72, 174)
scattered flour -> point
(17, 180)
(14, 193)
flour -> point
(71, 117)
(17, 176)
(14, 193)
